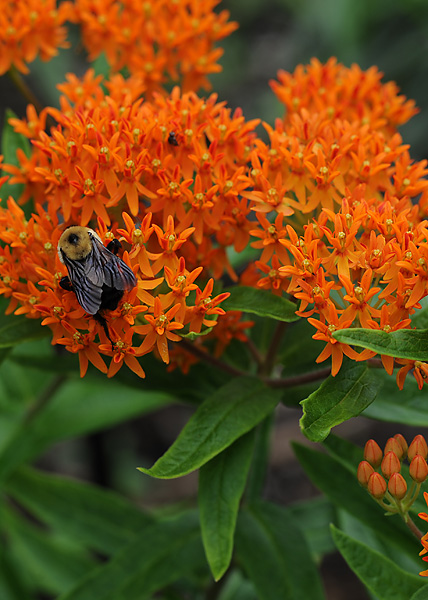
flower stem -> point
(413, 528)
(269, 361)
(24, 89)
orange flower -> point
(31, 28)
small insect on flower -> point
(96, 274)
(172, 138)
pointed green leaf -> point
(342, 488)
(411, 344)
(338, 399)
(260, 302)
(275, 555)
(230, 412)
(102, 519)
(381, 576)
(221, 485)
(10, 142)
(158, 555)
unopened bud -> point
(418, 469)
(392, 445)
(363, 473)
(390, 464)
(377, 485)
(418, 446)
(397, 486)
(373, 453)
(402, 441)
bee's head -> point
(75, 243)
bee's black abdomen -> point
(114, 246)
(110, 298)
(66, 284)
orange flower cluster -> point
(163, 177)
(159, 40)
(29, 28)
(341, 207)
(333, 203)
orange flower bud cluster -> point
(391, 483)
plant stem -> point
(269, 362)
(24, 89)
(44, 398)
(203, 355)
(413, 528)
(294, 380)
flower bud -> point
(418, 446)
(392, 445)
(363, 473)
(418, 469)
(397, 486)
(390, 464)
(377, 485)
(402, 441)
(373, 453)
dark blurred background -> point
(273, 34)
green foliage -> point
(221, 485)
(11, 141)
(404, 343)
(262, 303)
(229, 413)
(337, 400)
(376, 571)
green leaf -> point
(421, 594)
(230, 412)
(260, 302)
(11, 585)
(408, 406)
(52, 563)
(10, 142)
(157, 556)
(313, 517)
(275, 555)
(69, 414)
(411, 344)
(96, 517)
(337, 400)
(17, 329)
(381, 576)
(221, 485)
(342, 488)
(236, 587)
(420, 318)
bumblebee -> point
(96, 274)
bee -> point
(172, 138)
(97, 276)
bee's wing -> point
(88, 294)
(103, 265)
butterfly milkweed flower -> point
(158, 40)
(31, 28)
(332, 204)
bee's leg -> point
(114, 246)
(66, 284)
(100, 319)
